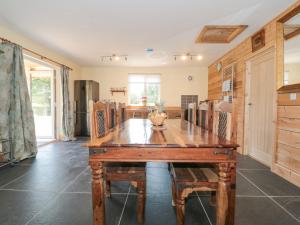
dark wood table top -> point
(177, 134)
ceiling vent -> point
(220, 34)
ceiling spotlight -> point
(199, 57)
(183, 57)
(188, 56)
(113, 57)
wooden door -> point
(260, 107)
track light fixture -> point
(114, 57)
(187, 56)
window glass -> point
(144, 89)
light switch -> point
(293, 96)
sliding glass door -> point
(42, 98)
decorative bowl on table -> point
(157, 119)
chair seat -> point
(125, 171)
(193, 173)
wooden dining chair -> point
(205, 115)
(112, 115)
(189, 178)
(122, 113)
(135, 173)
(99, 120)
(192, 113)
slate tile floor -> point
(55, 189)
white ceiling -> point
(85, 30)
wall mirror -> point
(291, 36)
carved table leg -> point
(180, 209)
(98, 194)
(223, 193)
(141, 201)
(173, 193)
(107, 189)
(213, 198)
(232, 195)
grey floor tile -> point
(209, 209)
(57, 164)
(8, 174)
(261, 211)
(271, 184)
(245, 188)
(292, 204)
(158, 180)
(246, 162)
(194, 212)
(46, 179)
(76, 209)
(158, 210)
(18, 207)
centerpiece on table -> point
(157, 117)
(144, 100)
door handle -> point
(250, 103)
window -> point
(143, 89)
(286, 78)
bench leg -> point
(223, 194)
(180, 210)
(107, 189)
(213, 198)
(141, 188)
(173, 193)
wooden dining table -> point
(177, 141)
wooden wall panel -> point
(285, 164)
(284, 99)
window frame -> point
(145, 82)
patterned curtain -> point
(16, 115)
(67, 125)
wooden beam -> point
(292, 34)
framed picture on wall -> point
(258, 40)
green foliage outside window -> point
(41, 95)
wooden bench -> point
(105, 121)
(188, 178)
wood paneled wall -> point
(239, 55)
(287, 154)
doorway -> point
(260, 107)
(41, 84)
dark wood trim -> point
(293, 88)
(262, 36)
(290, 15)
(292, 34)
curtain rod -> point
(35, 53)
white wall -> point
(26, 42)
(174, 82)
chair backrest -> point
(122, 113)
(99, 119)
(112, 115)
(192, 114)
(223, 120)
(205, 115)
